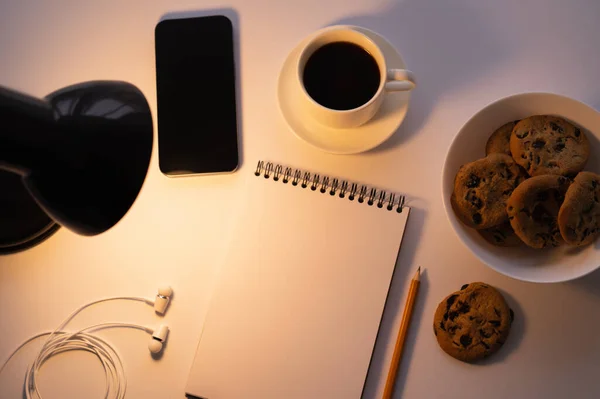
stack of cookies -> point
(531, 188)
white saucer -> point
(342, 141)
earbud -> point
(159, 337)
(162, 299)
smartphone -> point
(195, 82)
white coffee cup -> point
(390, 80)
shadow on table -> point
(237, 43)
(440, 42)
(591, 282)
(388, 330)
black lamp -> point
(77, 158)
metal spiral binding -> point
(315, 182)
(334, 186)
(325, 184)
(278, 171)
(343, 189)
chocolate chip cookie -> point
(579, 215)
(548, 145)
(533, 210)
(499, 141)
(472, 323)
(481, 189)
(501, 236)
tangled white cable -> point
(60, 341)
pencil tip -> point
(417, 275)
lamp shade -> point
(82, 153)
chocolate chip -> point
(552, 164)
(526, 212)
(528, 166)
(442, 326)
(495, 323)
(556, 128)
(523, 156)
(538, 160)
(446, 316)
(473, 181)
(522, 135)
(484, 334)
(512, 315)
(477, 219)
(577, 132)
(466, 340)
(558, 147)
(452, 315)
(497, 312)
(451, 300)
(464, 286)
(538, 144)
(463, 308)
(475, 201)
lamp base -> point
(23, 224)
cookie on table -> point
(472, 323)
(499, 141)
(481, 189)
(579, 215)
(502, 235)
(533, 210)
(549, 145)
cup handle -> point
(400, 80)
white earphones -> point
(162, 299)
(60, 341)
(159, 337)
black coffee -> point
(341, 76)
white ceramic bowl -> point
(540, 266)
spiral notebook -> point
(301, 294)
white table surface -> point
(465, 53)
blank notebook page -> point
(300, 296)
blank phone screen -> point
(195, 80)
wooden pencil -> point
(404, 324)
